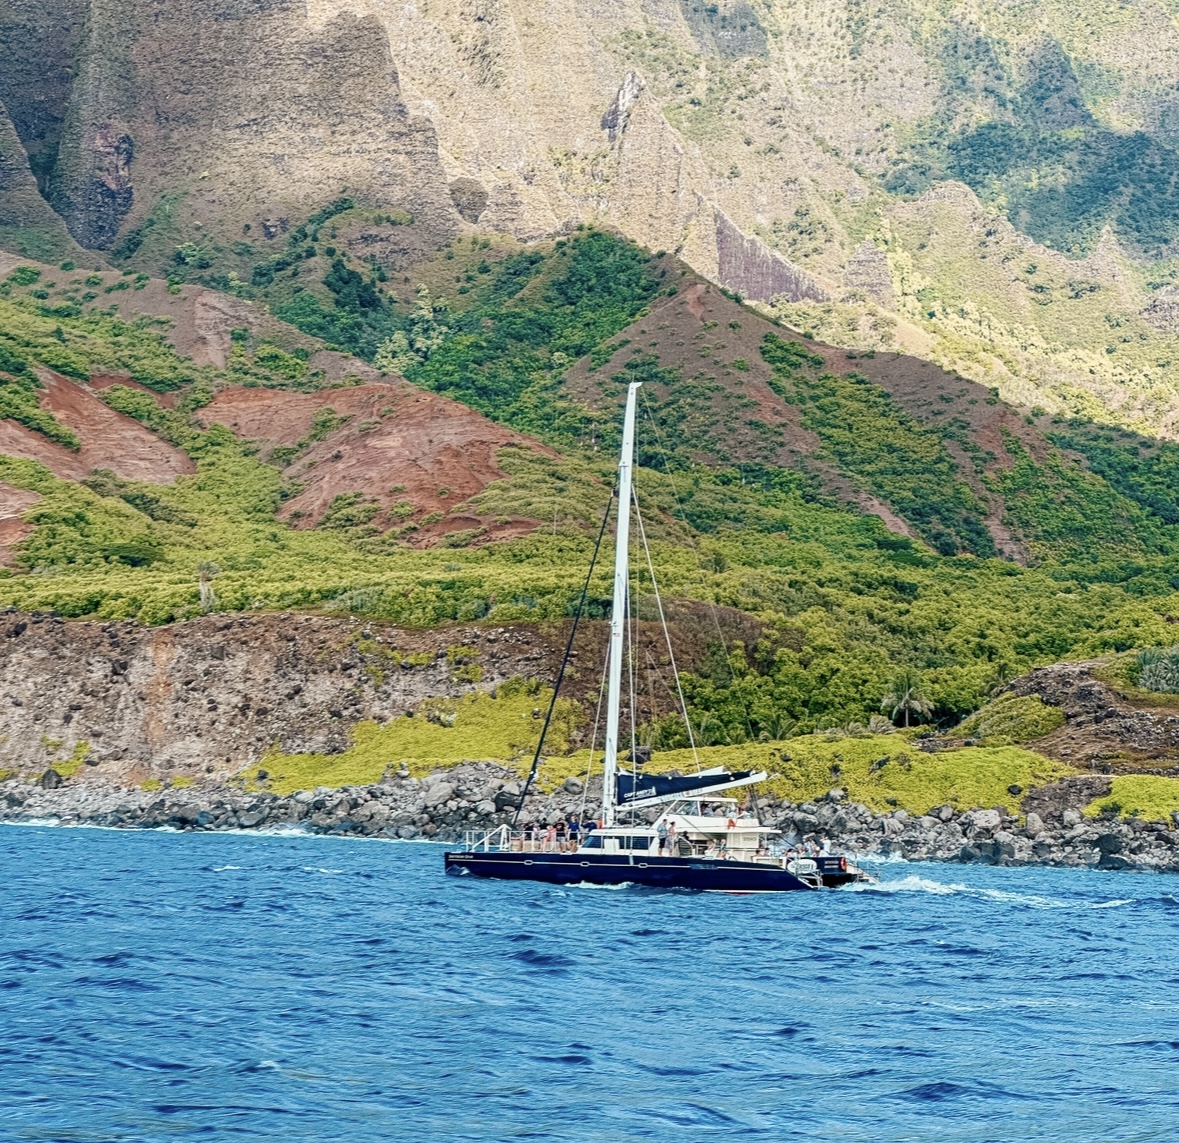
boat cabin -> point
(718, 829)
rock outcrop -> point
(234, 113)
(1104, 730)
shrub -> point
(1011, 719)
(1157, 669)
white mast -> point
(618, 614)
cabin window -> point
(634, 843)
(594, 841)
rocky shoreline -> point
(445, 804)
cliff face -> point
(241, 111)
(213, 695)
(651, 114)
(829, 156)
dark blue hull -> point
(656, 872)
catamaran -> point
(714, 843)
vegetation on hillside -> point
(842, 604)
(881, 771)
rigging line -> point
(692, 540)
(667, 635)
(589, 766)
(548, 718)
(659, 675)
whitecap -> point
(910, 884)
(223, 868)
(917, 884)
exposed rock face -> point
(618, 115)
(212, 695)
(245, 108)
(39, 43)
(22, 209)
(747, 265)
(470, 200)
(868, 270)
(728, 29)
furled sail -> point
(650, 789)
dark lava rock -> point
(50, 780)
(1109, 843)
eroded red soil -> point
(14, 503)
(404, 449)
(109, 439)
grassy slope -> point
(881, 771)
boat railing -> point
(487, 841)
(518, 841)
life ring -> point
(843, 865)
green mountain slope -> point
(770, 466)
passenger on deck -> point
(661, 830)
(671, 839)
(573, 828)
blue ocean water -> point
(158, 986)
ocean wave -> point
(608, 888)
(918, 884)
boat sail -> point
(727, 850)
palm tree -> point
(207, 571)
(907, 697)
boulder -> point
(1071, 818)
(437, 793)
(50, 780)
(573, 785)
(988, 820)
(1034, 824)
(1004, 844)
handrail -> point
(498, 837)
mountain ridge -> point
(791, 152)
